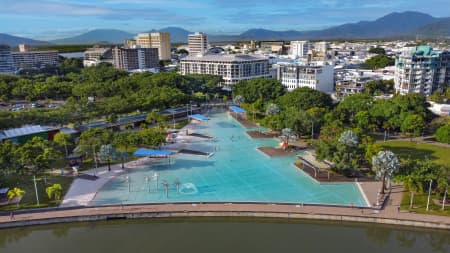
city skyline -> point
(52, 19)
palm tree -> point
(385, 163)
(54, 192)
(414, 185)
(16, 193)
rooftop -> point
(225, 58)
(26, 130)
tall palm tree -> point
(16, 193)
(414, 185)
(385, 163)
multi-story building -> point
(198, 44)
(95, 55)
(321, 46)
(300, 49)
(159, 40)
(130, 59)
(130, 43)
(6, 60)
(422, 70)
(345, 88)
(233, 68)
(317, 77)
(35, 59)
(24, 48)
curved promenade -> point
(389, 215)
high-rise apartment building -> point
(317, 77)
(422, 70)
(135, 58)
(300, 48)
(233, 68)
(198, 44)
(6, 60)
(35, 59)
(159, 40)
(24, 48)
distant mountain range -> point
(15, 40)
(97, 36)
(395, 25)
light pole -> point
(35, 190)
(443, 200)
(127, 178)
(429, 193)
(147, 181)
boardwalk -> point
(389, 215)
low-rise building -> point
(95, 55)
(317, 77)
(345, 88)
(233, 68)
(26, 133)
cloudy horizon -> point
(53, 19)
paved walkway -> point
(390, 212)
(82, 191)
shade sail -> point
(152, 152)
(199, 117)
(237, 109)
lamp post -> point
(127, 179)
(429, 193)
(35, 190)
(147, 181)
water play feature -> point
(237, 172)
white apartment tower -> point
(198, 43)
(300, 49)
(159, 40)
(422, 70)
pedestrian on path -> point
(11, 216)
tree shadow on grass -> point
(413, 153)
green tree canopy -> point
(379, 61)
(260, 88)
(443, 134)
(305, 98)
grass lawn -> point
(420, 204)
(25, 182)
(416, 150)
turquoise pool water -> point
(237, 172)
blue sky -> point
(50, 19)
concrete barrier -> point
(245, 214)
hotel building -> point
(233, 68)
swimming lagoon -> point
(236, 172)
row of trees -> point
(114, 92)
